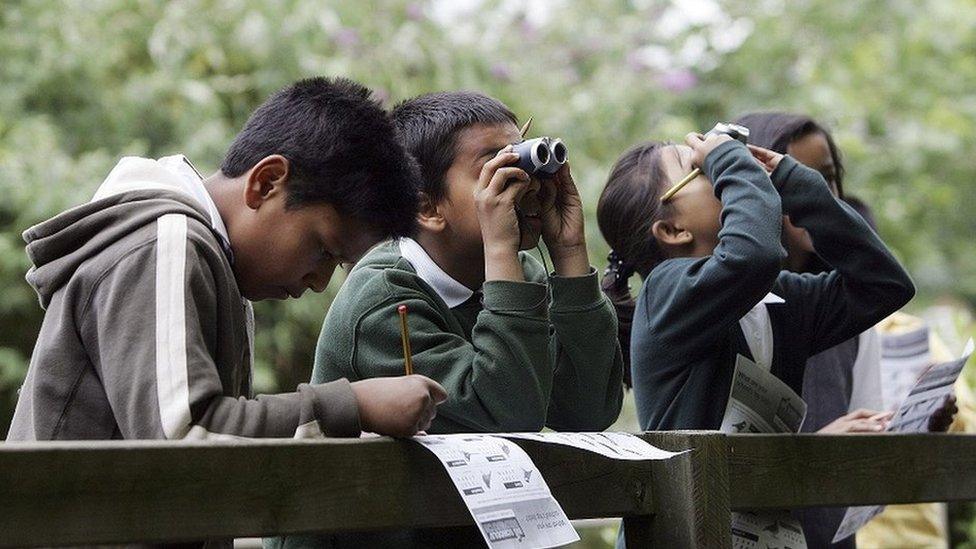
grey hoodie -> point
(145, 332)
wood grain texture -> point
(106, 492)
(155, 491)
(776, 471)
(690, 493)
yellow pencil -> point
(405, 336)
(677, 186)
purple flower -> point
(415, 11)
(635, 62)
(501, 72)
(677, 80)
(346, 38)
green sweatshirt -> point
(516, 356)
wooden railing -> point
(153, 491)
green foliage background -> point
(85, 82)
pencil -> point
(525, 128)
(677, 187)
(405, 337)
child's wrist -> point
(502, 263)
(571, 260)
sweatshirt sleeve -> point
(151, 330)
(499, 381)
(689, 303)
(587, 389)
(866, 284)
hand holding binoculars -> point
(735, 131)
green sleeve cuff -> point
(507, 296)
(575, 293)
(783, 171)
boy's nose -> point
(318, 280)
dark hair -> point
(777, 130)
(341, 149)
(629, 205)
(428, 126)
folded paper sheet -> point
(759, 402)
(612, 445)
(504, 491)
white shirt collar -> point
(758, 331)
(451, 291)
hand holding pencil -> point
(399, 406)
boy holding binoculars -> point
(515, 348)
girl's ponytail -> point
(615, 286)
(629, 205)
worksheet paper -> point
(904, 357)
(924, 398)
(766, 530)
(504, 491)
(759, 402)
(612, 445)
(928, 395)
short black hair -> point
(428, 126)
(777, 130)
(342, 150)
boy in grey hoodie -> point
(148, 328)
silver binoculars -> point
(541, 156)
(735, 131)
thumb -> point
(435, 389)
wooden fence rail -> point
(154, 491)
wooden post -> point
(691, 495)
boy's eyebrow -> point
(487, 151)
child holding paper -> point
(711, 257)
(840, 382)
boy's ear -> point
(268, 178)
(669, 234)
(430, 216)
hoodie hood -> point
(129, 199)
